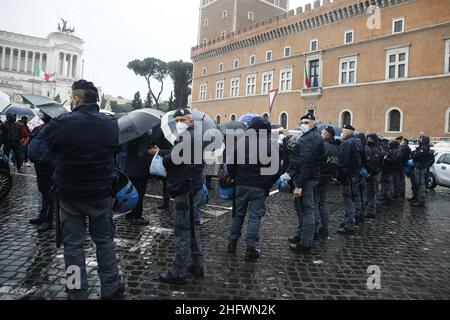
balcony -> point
(312, 92)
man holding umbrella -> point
(184, 184)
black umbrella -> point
(48, 106)
(19, 111)
(134, 124)
(233, 125)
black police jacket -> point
(138, 160)
(423, 157)
(393, 161)
(83, 144)
(350, 159)
(328, 169)
(250, 173)
(308, 158)
(374, 164)
(179, 176)
(406, 152)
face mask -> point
(304, 128)
(182, 127)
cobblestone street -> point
(410, 245)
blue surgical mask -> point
(304, 128)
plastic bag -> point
(157, 168)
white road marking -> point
(23, 175)
(274, 192)
(208, 205)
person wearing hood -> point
(184, 180)
(309, 156)
(252, 184)
(83, 145)
(401, 177)
(423, 158)
(12, 134)
(374, 168)
(328, 171)
(349, 168)
(391, 167)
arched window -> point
(233, 117)
(266, 116)
(447, 121)
(345, 118)
(284, 120)
(218, 119)
(394, 120)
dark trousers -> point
(141, 186)
(16, 152)
(321, 203)
(389, 189)
(101, 228)
(44, 173)
(306, 217)
(401, 183)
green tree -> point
(148, 103)
(172, 105)
(181, 74)
(137, 102)
(151, 68)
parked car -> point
(440, 171)
(5, 176)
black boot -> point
(231, 247)
(167, 277)
(198, 272)
(164, 204)
(116, 295)
(45, 226)
(300, 249)
(252, 254)
(36, 221)
(294, 240)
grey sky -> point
(115, 32)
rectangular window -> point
(287, 51)
(236, 63)
(447, 56)
(205, 41)
(348, 36)
(251, 16)
(269, 56)
(203, 90)
(204, 71)
(235, 87)
(251, 85)
(347, 70)
(267, 82)
(314, 69)
(252, 60)
(221, 67)
(397, 63)
(314, 45)
(398, 25)
(285, 80)
(225, 14)
(219, 89)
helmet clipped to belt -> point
(126, 195)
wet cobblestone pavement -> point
(410, 245)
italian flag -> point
(42, 75)
(307, 81)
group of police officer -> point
(76, 153)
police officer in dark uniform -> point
(184, 180)
(391, 168)
(423, 158)
(374, 168)
(83, 144)
(309, 156)
(349, 166)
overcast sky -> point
(115, 32)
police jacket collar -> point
(89, 107)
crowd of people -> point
(76, 157)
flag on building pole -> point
(307, 81)
(272, 95)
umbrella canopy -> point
(48, 106)
(19, 111)
(336, 128)
(134, 124)
(201, 119)
(4, 101)
(247, 118)
(233, 125)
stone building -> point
(381, 65)
(42, 66)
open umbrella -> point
(134, 124)
(48, 106)
(4, 101)
(336, 128)
(247, 118)
(19, 111)
(201, 120)
(233, 125)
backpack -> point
(38, 148)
